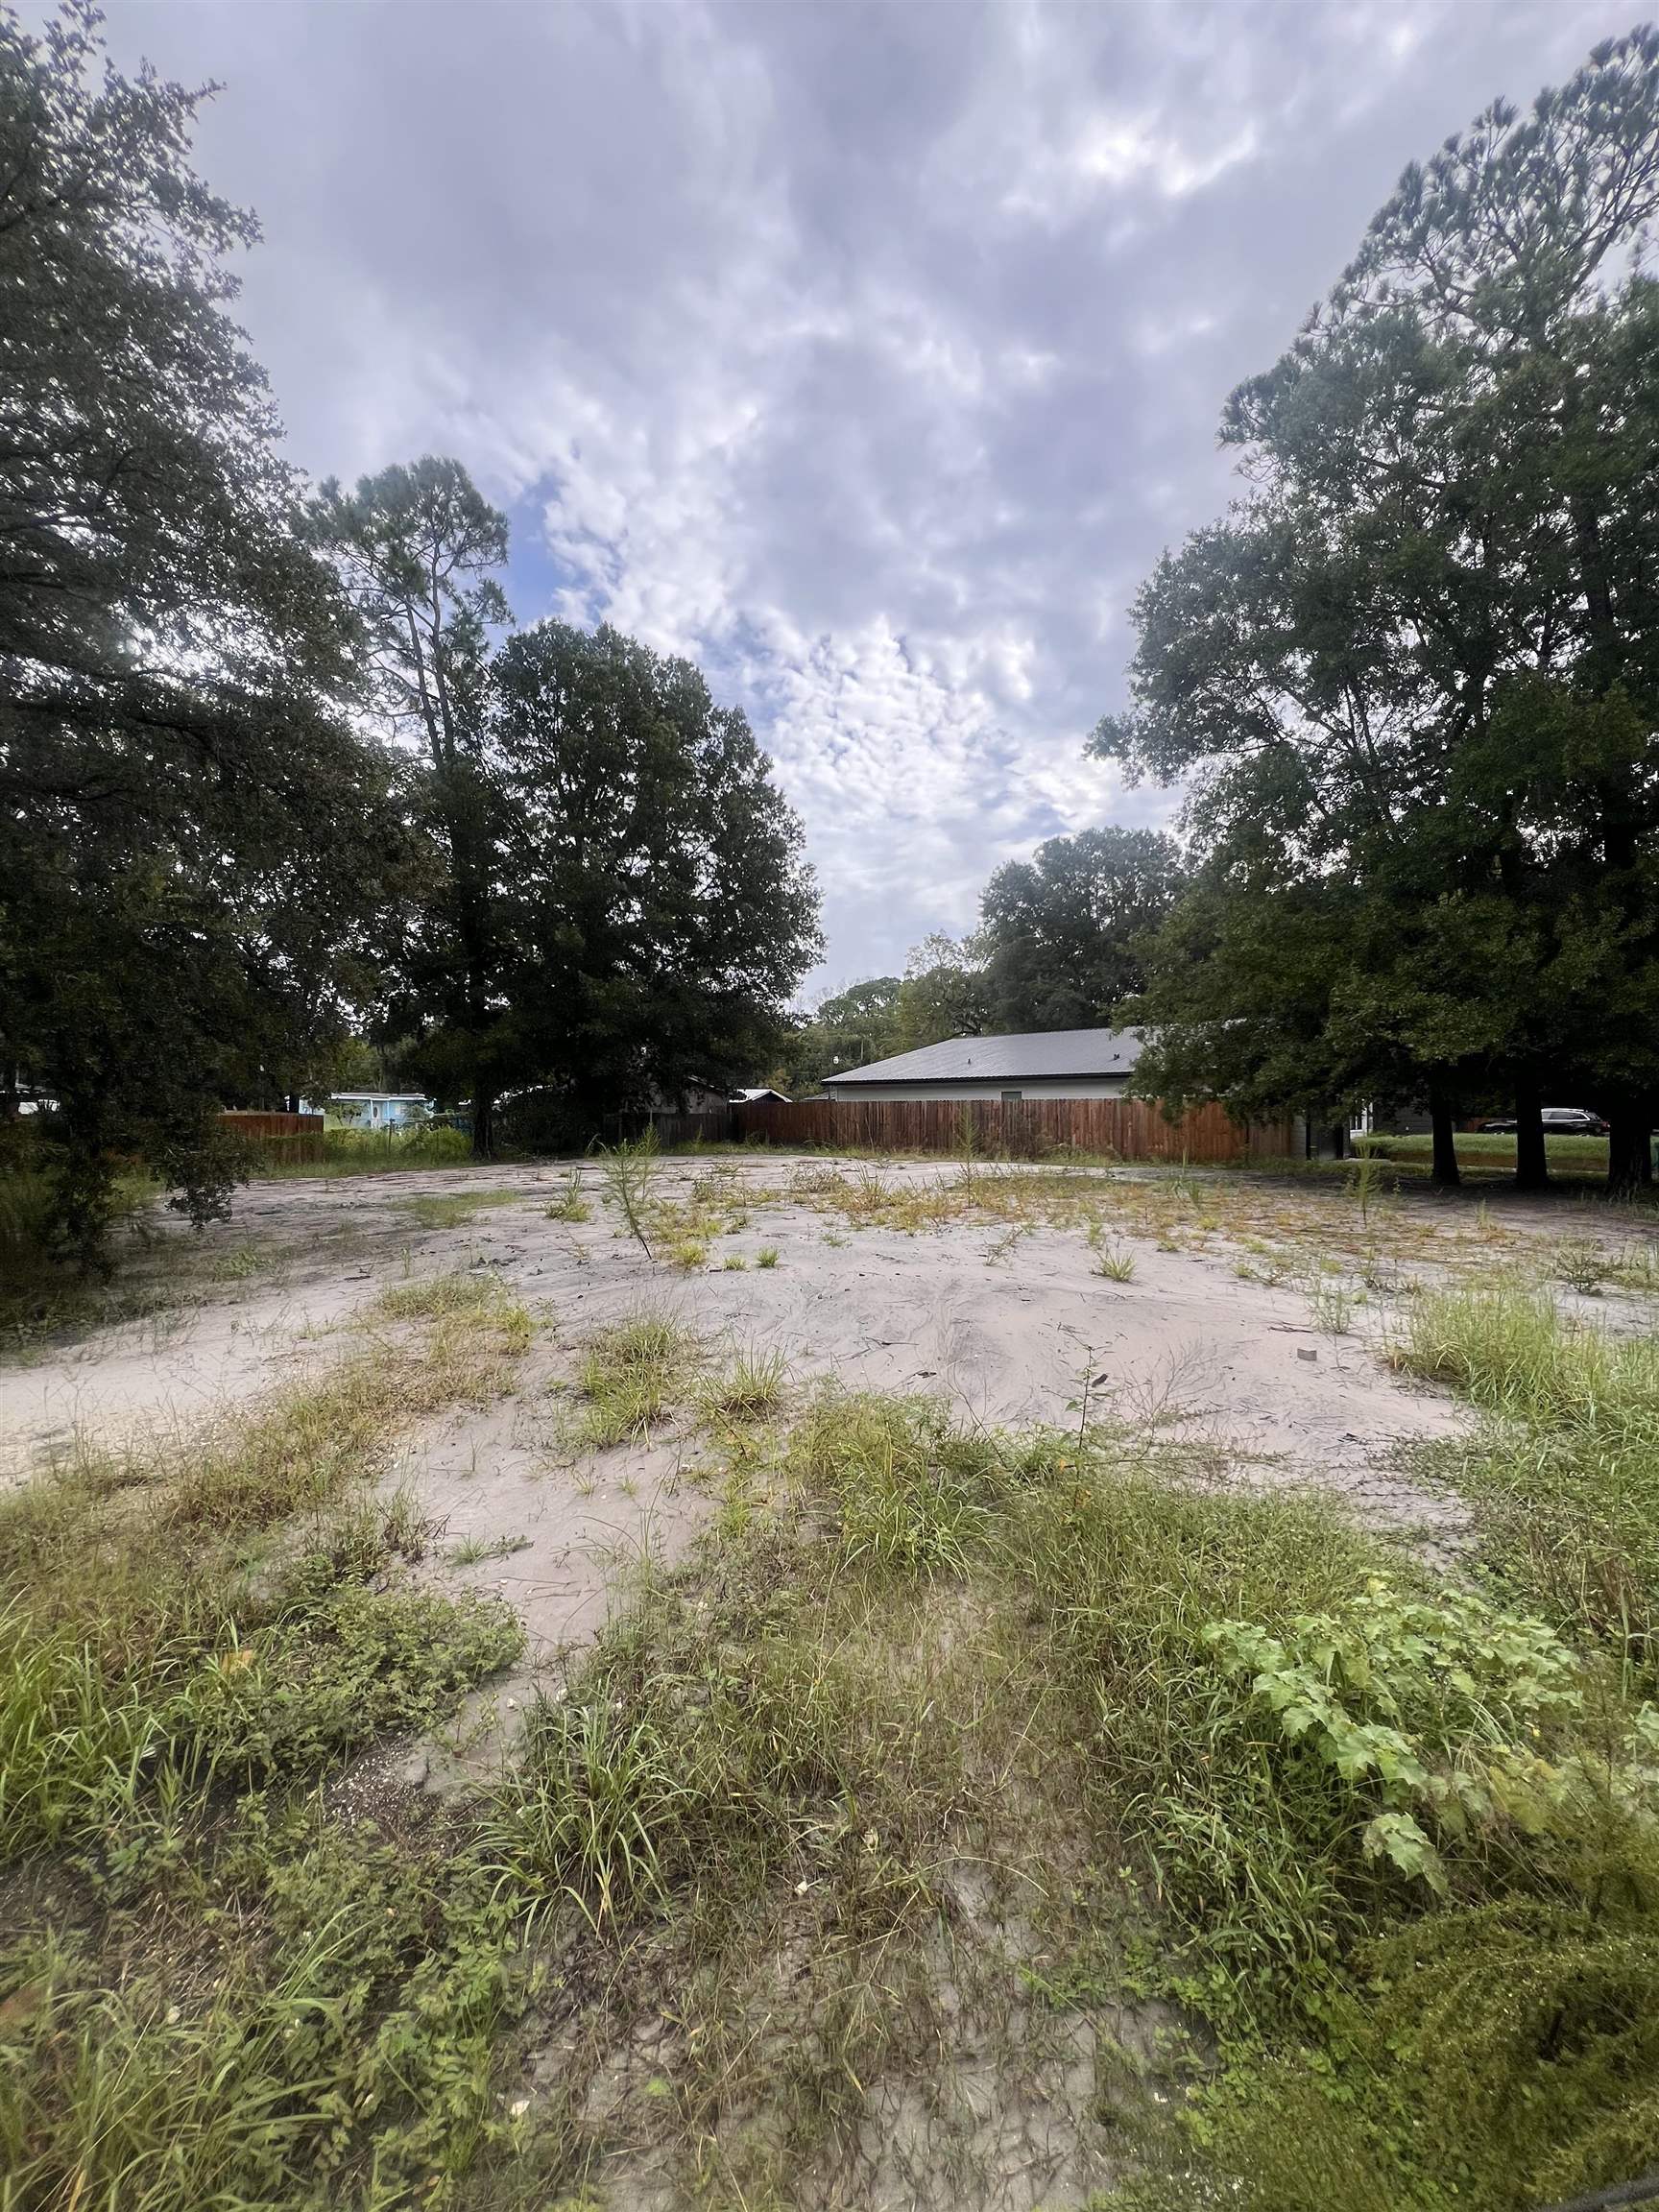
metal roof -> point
(1039, 1055)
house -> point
(373, 1109)
(1042, 1063)
(759, 1095)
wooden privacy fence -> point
(1026, 1129)
(712, 1128)
(281, 1136)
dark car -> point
(1557, 1120)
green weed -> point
(1116, 1262)
(1581, 1263)
(1331, 1305)
(471, 1551)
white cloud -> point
(869, 355)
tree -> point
(846, 1029)
(417, 547)
(944, 993)
(652, 912)
(1474, 332)
(1417, 662)
(173, 660)
(1064, 934)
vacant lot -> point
(749, 1681)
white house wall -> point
(1081, 1087)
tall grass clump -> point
(910, 1491)
(570, 1205)
(421, 1144)
(1565, 1468)
(77, 1743)
(751, 1387)
(586, 1814)
(631, 1377)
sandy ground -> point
(1010, 1329)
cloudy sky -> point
(869, 354)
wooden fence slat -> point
(283, 1136)
(1027, 1129)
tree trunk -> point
(1629, 1149)
(1531, 1160)
(1445, 1170)
(483, 1124)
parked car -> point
(1557, 1120)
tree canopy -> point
(416, 548)
(191, 834)
(651, 908)
(1410, 680)
(1063, 935)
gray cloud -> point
(869, 354)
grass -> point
(454, 1209)
(1283, 1222)
(1330, 1305)
(944, 1664)
(364, 1152)
(328, 2005)
(751, 1387)
(225, 1994)
(948, 1754)
(630, 1379)
(1481, 1154)
(584, 1815)
(1565, 1469)
(1116, 1262)
(570, 1205)
(471, 1551)
(905, 1486)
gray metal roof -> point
(1039, 1054)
